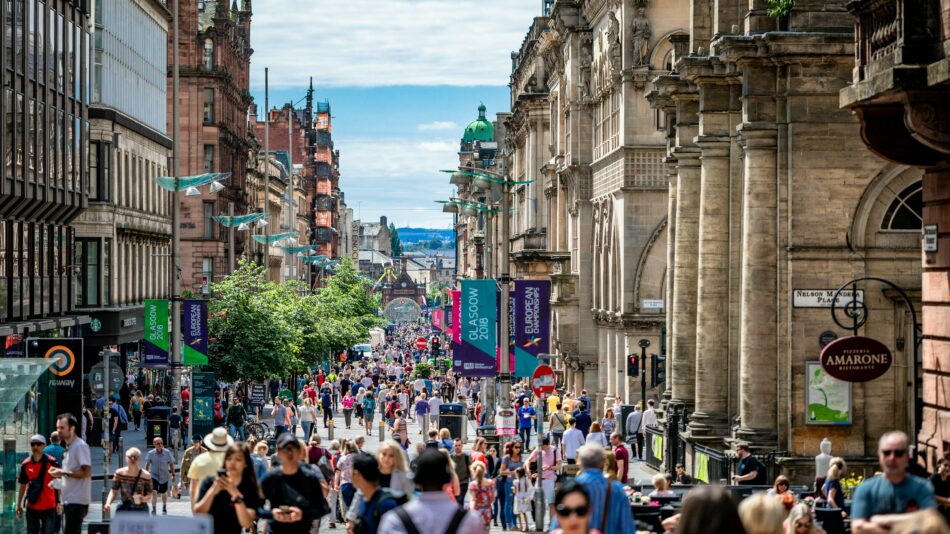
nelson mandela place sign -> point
(856, 359)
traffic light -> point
(658, 368)
(633, 365)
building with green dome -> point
(480, 129)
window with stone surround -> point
(209, 54)
(209, 105)
(906, 210)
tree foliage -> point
(261, 329)
(394, 242)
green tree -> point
(394, 240)
(251, 326)
(435, 244)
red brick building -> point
(214, 62)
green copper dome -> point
(480, 129)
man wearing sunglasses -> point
(41, 500)
(882, 501)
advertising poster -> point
(195, 330)
(532, 324)
(474, 355)
(827, 399)
(61, 386)
(505, 422)
(203, 385)
(257, 395)
(155, 344)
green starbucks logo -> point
(95, 325)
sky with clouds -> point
(403, 78)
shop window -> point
(87, 271)
(209, 158)
(207, 214)
(906, 210)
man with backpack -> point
(376, 501)
(42, 501)
(433, 511)
(237, 415)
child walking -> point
(524, 494)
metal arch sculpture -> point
(403, 310)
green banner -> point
(203, 395)
(155, 345)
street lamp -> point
(242, 222)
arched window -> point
(906, 210)
(209, 54)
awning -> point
(17, 375)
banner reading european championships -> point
(477, 304)
(532, 324)
(196, 332)
(155, 345)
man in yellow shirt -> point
(553, 401)
(207, 463)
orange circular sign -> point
(62, 360)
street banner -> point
(456, 316)
(532, 324)
(257, 395)
(437, 318)
(475, 354)
(202, 385)
(155, 344)
(505, 422)
(196, 332)
(511, 333)
(60, 388)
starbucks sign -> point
(856, 359)
(95, 324)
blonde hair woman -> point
(762, 514)
(394, 474)
(308, 414)
(802, 521)
(834, 493)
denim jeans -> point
(237, 432)
(347, 491)
(525, 433)
(509, 505)
(307, 428)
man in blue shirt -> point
(586, 400)
(582, 416)
(881, 501)
(526, 416)
(619, 515)
(376, 501)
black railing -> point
(709, 465)
(653, 447)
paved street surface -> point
(180, 507)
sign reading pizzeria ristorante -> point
(856, 359)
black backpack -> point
(410, 527)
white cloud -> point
(397, 178)
(366, 43)
(438, 125)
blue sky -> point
(403, 78)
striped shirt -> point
(619, 516)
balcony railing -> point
(890, 33)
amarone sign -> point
(856, 359)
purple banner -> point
(532, 324)
(195, 330)
(477, 309)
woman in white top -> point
(308, 414)
(660, 488)
(596, 434)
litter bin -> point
(155, 428)
(625, 410)
(452, 416)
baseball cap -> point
(287, 438)
(38, 438)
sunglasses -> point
(580, 511)
(133, 458)
(896, 453)
(37, 445)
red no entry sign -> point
(543, 380)
(421, 343)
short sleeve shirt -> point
(159, 464)
(206, 465)
(524, 416)
(30, 470)
(876, 496)
(748, 465)
(77, 490)
(622, 455)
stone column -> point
(670, 262)
(757, 339)
(607, 357)
(712, 305)
(683, 326)
(619, 362)
(602, 374)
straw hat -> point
(218, 440)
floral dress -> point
(482, 498)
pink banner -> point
(456, 315)
(437, 318)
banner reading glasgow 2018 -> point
(532, 324)
(477, 305)
(196, 332)
(155, 345)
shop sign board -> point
(505, 422)
(257, 395)
(856, 359)
(821, 298)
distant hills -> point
(415, 235)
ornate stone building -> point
(774, 201)
(214, 58)
(900, 93)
